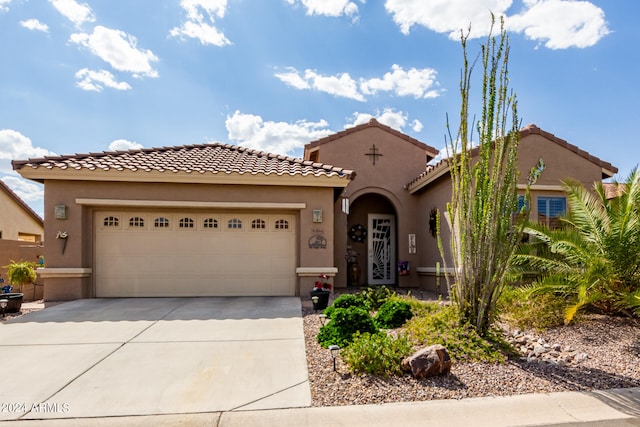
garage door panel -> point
(198, 261)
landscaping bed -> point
(596, 353)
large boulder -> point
(428, 362)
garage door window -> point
(161, 222)
(111, 221)
(210, 223)
(234, 223)
(258, 224)
(136, 222)
(282, 224)
(186, 223)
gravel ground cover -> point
(603, 353)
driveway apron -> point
(145, 356)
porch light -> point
(335, 351)
(3, 305)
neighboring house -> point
(17, 220)
(218, 219)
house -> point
(221, 220)
(17, 220)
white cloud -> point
(252, 131)
(446, 16)
(390, 117)
(119, 50)
(560, 23)
(78, 13)
(200, 22)
(34, 24)
(412, 82)
(14, 145)
(329, 7)
(4, 5)
(96, 80)
(124, 145)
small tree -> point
(21, 273)
(484, 187)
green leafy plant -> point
(440, 324)
(375, 296)
(346, 301)
(343, 324)
(21, 272)
(376, 353)
(393, 314)
(594, 259)
(520, 308)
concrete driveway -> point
(145, 356)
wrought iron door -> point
(382, 249)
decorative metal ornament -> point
(358, 233)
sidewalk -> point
(619, 407)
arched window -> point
(234, 223)
(282, 224)
(210, 223)
(186, 223)
(258, 224)
(136, 221)
(111, 221)
(161, 222)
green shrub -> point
(375, 296)
(440, 324)
(377, 354)
(346, 301)
(520, 308)
(343, 324)
(393, 314)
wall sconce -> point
(317, 215)
(61, 212)
(335, 351)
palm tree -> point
(595, 258)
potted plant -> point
(320, 293)
(19, 273)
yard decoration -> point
(320, 293)
(21, 273)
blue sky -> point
(98, 75)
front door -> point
(381, 249)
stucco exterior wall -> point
(79, 225)
(14, 221)
(398, 163)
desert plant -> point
(375, 296)
(594, 260)
(21, 272)
(520, 308)
(343, 324)
(393, 314)
(377, 353)
(484, 188)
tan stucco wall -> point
(560, 163)
(401, 161)
(79, 225)
(14, 220)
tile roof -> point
(213, 158)
(438, 169)
(4, 187)
(370, 124)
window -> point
(258, 224)
(161, 222)
(186, 223)
(210, 223)
(282, 224)
(111, 221)
(136, 221)
(314, 156)
(234, 223)
(550, 209)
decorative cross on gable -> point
(374, 153)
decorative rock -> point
(539, 349)
(428, 362)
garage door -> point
(146, 254)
